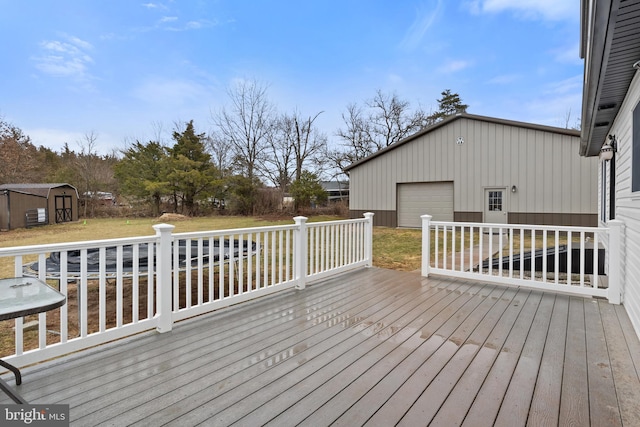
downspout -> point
(612, 186)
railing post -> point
(368, 238)
(163, 278)
(300, 255)
(426, 244)
(616, 230)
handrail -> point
(571, 259)
(154, 282)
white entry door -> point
(495, 205)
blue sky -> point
(124, 69)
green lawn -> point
(392, 248)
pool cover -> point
(211, 255)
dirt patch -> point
(172, 217)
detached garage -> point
(478, 169)
(29, 205)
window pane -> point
(495, 200)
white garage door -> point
(416, 199)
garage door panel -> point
(417, 199)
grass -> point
(112, 228)
(397, 249)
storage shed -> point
(28, 205)
(478, 169)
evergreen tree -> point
(450, 104)
(142, 173)
(308, 189)
(192, 175)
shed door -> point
(63, 209)
(417, 199)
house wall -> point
(627, 207)
(543, 165)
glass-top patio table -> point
(22, 296)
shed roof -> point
(451, 119)
(41, 190)
(610, 46)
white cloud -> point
(557, 104)
(55, 139)
(164, 92)
(553, 10)
(570, 85)
(194, 25)
(154, 6)
(172, 23)
(426, 17)
(568, 55)
(454, 66)
(395, 78)
(65, 58)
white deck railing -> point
(118, 287)
(564, 259)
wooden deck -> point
(372, 347)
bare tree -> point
(95, 172)
(391, 119)
(356, 135)
(246, 123)
(308, 141)
(294, 146)
(567, 120)
(280, 161)
(221, 152)
(386, 120)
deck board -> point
(334, 396)
(515, 322)
(602, 390)
(433, 335)
(370, 347)
(625, 372)
(344, 370)
(406, 397)
(574, 407)
(437, 391)
(545, 405)
(488, 402)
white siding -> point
(628, 204)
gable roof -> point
(610, 46)
(459, 116)
(41, 190)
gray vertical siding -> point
(541, 162)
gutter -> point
(596, 56)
